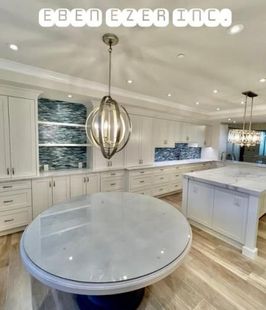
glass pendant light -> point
(108, 126)
(245, 137)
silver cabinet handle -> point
(113, 173)
(141, 181)
(112, 184)
(8, 201)
(7, 171)
(84, 180)
(88, 179)
(140, 161)
(54, 183)
(50, 184)
(13, 171)
(10, 220)
(7, 186)
(141, 172)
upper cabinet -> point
(99, 162)
(191, 133)
(166, 133)
(17, 137)
(139, 150)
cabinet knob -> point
(7, 171)
(54, 183)
(13, 171)
(84, 179)
(10, 220)
(88, 179)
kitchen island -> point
(227, 202)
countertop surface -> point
(243, 178)
(55, 173)
(107, 238)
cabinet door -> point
(230, 213)
(99, 162)
(160, 133)
(200, 135)
(175, 132)
(4, 139)
(61, 189)
(132, 149)
(41, 195)
(23, 136)
(146, 145)
(200, 202)
(93, 184)
(78, 185)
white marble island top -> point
(105, 243)
(241, 178)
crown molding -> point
(37, 77)
(9, 90)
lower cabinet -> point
(15, 205)
(230, 214)
(113, 181)
(84, 184)
(200, 202)
(222, 210)
(49, 191)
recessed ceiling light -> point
(215, 91)
(181, 55)
(229, 119)
(169, 95)
(235, 29)
(242, 102)
(218, 109)
(263, 80)
(197, 103)
(69, 96)
(234, 122)
(13, 47)
(130, 81)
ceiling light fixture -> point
(263, 80)
(229, 119)
(242, 102)
(181, 55)
(218, 109)
(69, 96)
(130, 81)
(169, 95)
(197, 103)
(215, 91)
(245, 137)
(235, 29)
(108, 126)
(13, 47)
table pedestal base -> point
(128, 301)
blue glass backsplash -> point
(62, 157)
(61, 111)
(179, 152)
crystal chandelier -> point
(245, 137)
(108, 126)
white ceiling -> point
(214, 59)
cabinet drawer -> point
(140, 182)
(175, 177)
(147, 192)
(142, 172)
(7, 186)
(15, 218)
(159, 179)
(112, 185)
(15, 199)
(157, 191)
(163, 171)
(112, 174)
(175, 187)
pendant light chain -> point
(110, 68)
(251, 111)
(245, 113)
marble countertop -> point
(242, 178)
(106, 240)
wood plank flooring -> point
(214, 276)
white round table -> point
(106, 246)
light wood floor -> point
(213, 276)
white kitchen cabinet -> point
(61, 189)
(84, 184)
(200, 202)
(166, 133)
(49, 191)
(17, 137)
(99, 162)
(42, 195)
(230, 214)
(139, 150)
(4, 139)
